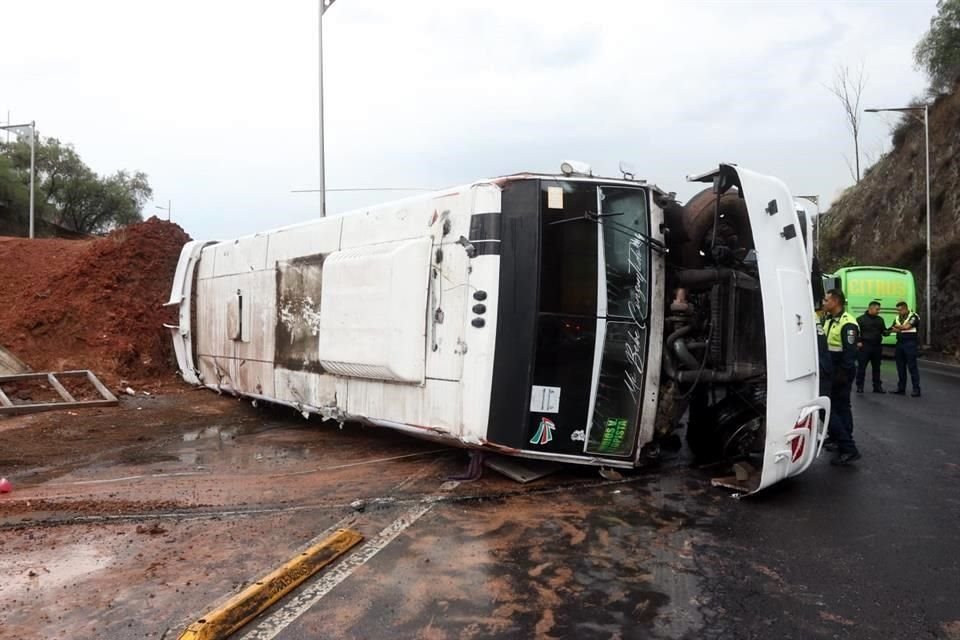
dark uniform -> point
(843, 334)
(872, 329)
(906, 352)
(826, 361)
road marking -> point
(125, 478)
(358, 464)
(288, 613)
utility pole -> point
(31, 130)
(168, 209)
(324, 5)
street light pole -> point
(324, 5)
(926, 140)
(19, 129)
(33, 168)
(926, 137)
(168, 209)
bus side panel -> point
(214, 348)
(293, 257)
(449, 295)
(482, 292)
(433, 407)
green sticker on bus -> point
(613, 434)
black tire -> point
(727, 428)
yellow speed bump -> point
(243, 607)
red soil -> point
(92, 304)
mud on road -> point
(130, 522)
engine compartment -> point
(714, 354)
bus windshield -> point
(593, 309)
(624, 222)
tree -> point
(68, 192)
(848, 88)
(938, 52)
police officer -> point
(826, 366)
(843, 334)
(905, 326)
(872, 328)
(823, 352)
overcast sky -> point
(216, 100)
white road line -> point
(124, 479)
(358, 464)
(280, 619)
(271, 625)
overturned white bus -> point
(562, 317)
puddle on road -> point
(215, 431)
(37, 571)
(218, 444)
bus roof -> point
(867, 268)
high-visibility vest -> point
(822, 351)
(911, 318)
(835, 330)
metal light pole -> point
(168, 209)
(30, 129)
(926, 137)
(324, 5)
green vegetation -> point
(938, 52)
(69, 194)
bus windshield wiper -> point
(653, 243)
(633, 234)
(587, 215)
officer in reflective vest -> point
(843, 334)
(823, 353)
(905, 326)
(826, 365)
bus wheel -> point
(730, 428)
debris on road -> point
(34, 394)
(610, 474)
(519, 469)
(5, 486)
(154, 530)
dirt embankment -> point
(92, 304)
(882, 219)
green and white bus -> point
(887, 285)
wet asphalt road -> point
(871, 551)
(878, 543)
